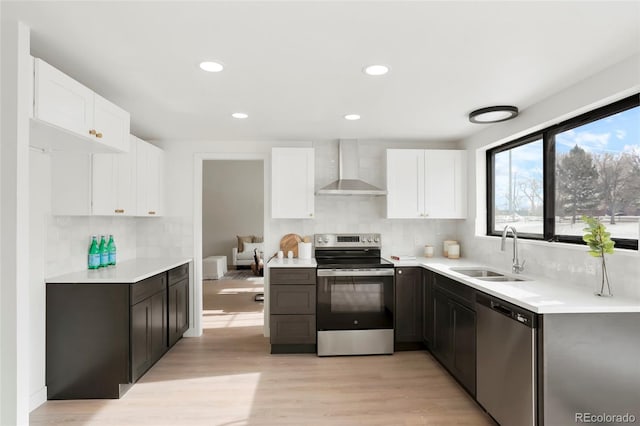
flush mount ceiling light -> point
(493, 114)
(211, 66)
(239, 115)
(376, 70)
(352, 117)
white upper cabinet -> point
(292, 183)
(405, 183)
(68, 107)
(113, 186)
(149, 178)
(426, 184)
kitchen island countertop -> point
(542, 296)
(128, 271)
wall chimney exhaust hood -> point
(348, 182)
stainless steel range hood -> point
(348, 182)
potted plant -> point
(600, 243)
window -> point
(589, 165)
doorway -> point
(232, 239)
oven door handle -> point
(356, 272)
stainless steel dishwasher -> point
(506, 361)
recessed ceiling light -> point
(493, 114)
(239, 115)
(352, 117)
(376, 70)
(211, 66)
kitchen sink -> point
(501, 278)
(478, 272)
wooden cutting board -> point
(290, 242)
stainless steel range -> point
(355, 295)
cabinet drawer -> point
(178, 274)
(293, 275)
(293, 329)
(146, 288)
(288, 299)
(461, 292)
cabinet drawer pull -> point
(98, 135)
(152, 212)
(119, 210)
(92, 132)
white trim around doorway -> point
(196, 299)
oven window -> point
(357, 297)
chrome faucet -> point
(516, 267)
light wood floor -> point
(228, 378)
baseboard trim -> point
(38, 398)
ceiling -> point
(296, 67)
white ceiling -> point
(295, 67)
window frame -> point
(549, 171)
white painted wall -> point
(175, 234)
(232, 204)
(565, 264)
(14, 226)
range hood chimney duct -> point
(349, 182)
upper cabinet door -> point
(292, 183)
(405, 183)
(62, 101)
(111, 124)
(113, 185)
(155, 171)
(445, 184)
(149, 178)
(426, 184)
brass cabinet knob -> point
(98, 135)
(92, 131)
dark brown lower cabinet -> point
(178, 310)
(101, 338)
(454, 336)
(292, 308)
(427, 307)
(408, 309)
(148, 333)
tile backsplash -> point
(68, 239)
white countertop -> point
(539, 296)
(292, 263)
(129, 271)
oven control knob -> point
(376, 239)
(319, 240)
(369, 240)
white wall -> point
(14, 245)
(565, 264)
(175, 233)
(232, 204)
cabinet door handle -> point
(92, 132)
(152, 212)
(400, 272)
(98, 135)
(119, 210)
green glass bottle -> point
(94, 254)
(104, 253)
(111, 249)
